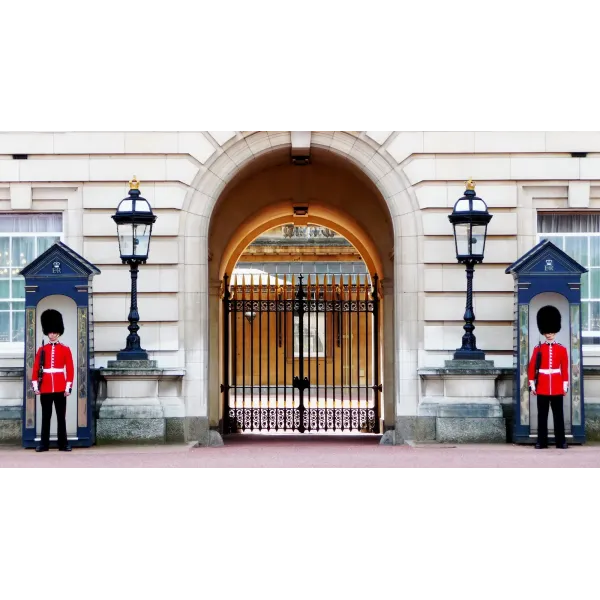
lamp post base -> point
(469, 355)
(132, 355)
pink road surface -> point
(306, 451)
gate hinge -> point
(378, 387)
(223, 387)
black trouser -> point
(60, 402)
(543, 404)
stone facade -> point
(414, 178)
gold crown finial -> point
(470, 184)
(134, 184)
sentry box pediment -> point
(547, 260)
(57, 262)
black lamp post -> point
(470, 219)
(134, 219)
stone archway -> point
(219, 205)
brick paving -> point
(306, 451)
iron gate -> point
(301, 356)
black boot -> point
(41, 448)
(66, 448)
(563, 446)
(540, 446)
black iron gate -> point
(301, 356)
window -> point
(314, 335)
(579, 237)
(22, 238)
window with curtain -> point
(23, 237)
(579, 236)
(314, 335)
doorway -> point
(328, 194)
(301, 336)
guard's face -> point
(550, 336)
(53, 336)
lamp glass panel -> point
(461, 235)
(478, 239)
(462, 205)
(125, 206)
(126, 235)
(142, 206)
(141, 239)
(479, 205)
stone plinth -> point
(143, 404)
(459, 402)
(11, 402)
(591, 392)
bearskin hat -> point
(52, 322)
(548, 319)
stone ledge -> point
(503, 371)
(461, 409)
(11, 412)
(13, 372)
(132, 364)
(462, 371)
(140, 372)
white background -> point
(312, 65)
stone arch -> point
(257, 150)
(282, 213)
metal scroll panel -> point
(524, 362)
(29, 360)
(575, 364)
(82, 351)
(301, 356)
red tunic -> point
(57, 360)
(553, 379)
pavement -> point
(305, 451)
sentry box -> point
(60, 279)
(547, 275)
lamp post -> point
(470, 219)
(134, 219)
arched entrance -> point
(301, 340)
(330, 192)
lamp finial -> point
(134, 184)
(470, 184)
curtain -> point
(565, 223)
(23, 252)
(34, 223)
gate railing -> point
(301, 356)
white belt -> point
(53, 370)
(549, 371)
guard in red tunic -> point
(552, 379)
(57, 379)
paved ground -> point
(306, 451)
